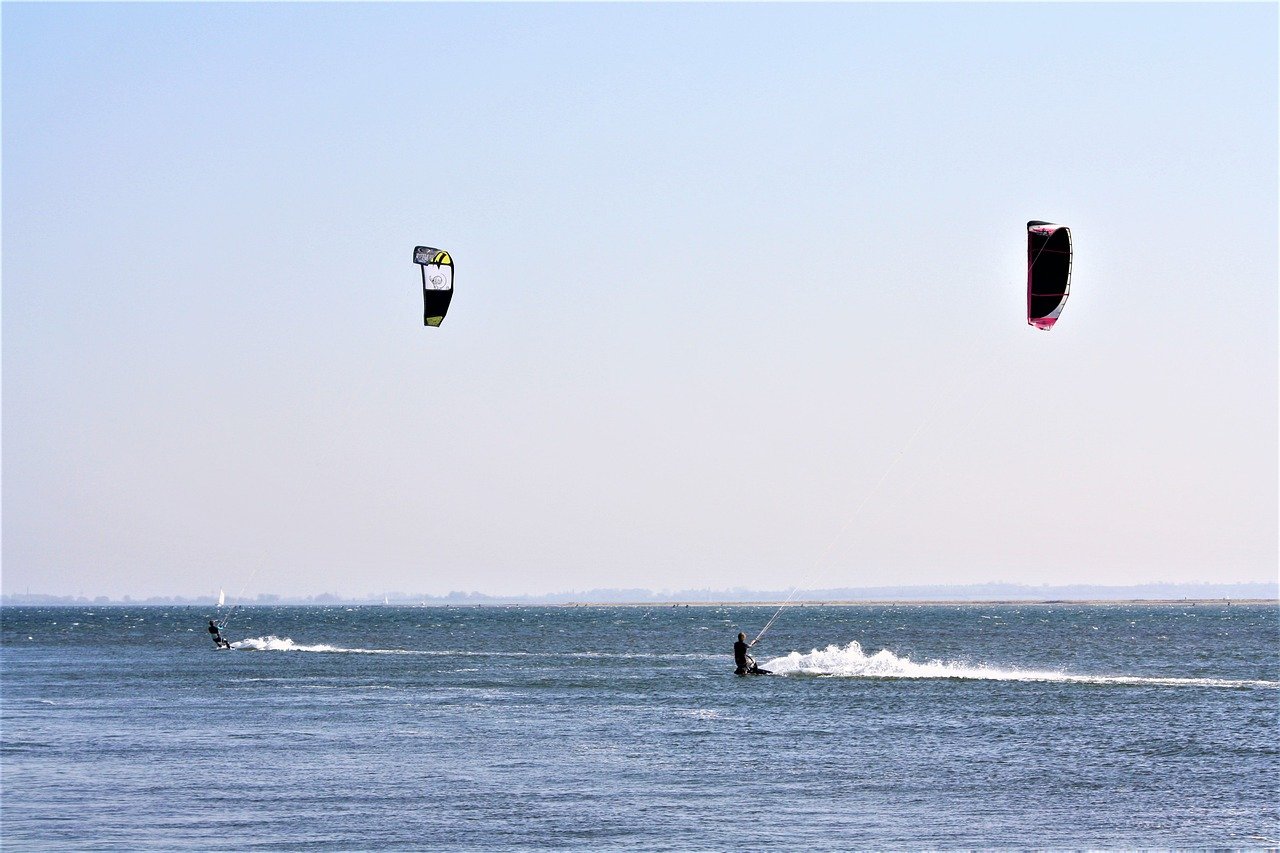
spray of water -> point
(273, 643)
(852, 662)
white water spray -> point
(852, 662)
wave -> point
(851, 662)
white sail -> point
(222, 598)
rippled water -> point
(623, 727)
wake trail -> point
(284, 644)
(273, 643)
(851, 662)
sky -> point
(740, 296)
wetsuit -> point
(741, 659)
(746, 664)
(217, 638)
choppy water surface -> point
(623, 727)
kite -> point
(1048, 272)
(437, 283)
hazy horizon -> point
(966, 593)
(732, 307)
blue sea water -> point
(601, 728)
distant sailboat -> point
(384, 600)
(222, 598)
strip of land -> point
(915, 602)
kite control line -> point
(893, 463)
(226, 620)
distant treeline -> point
(971, 592)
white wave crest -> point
(851, 662)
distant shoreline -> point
(813, 602)
(817, 602)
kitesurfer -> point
(218, 640)
(746, 664)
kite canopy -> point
(437, 283)
(1048, 272)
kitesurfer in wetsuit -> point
(746, 664)
(217, 637)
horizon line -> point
(990, 592)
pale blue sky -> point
(715, 265)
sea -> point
(883, 726)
